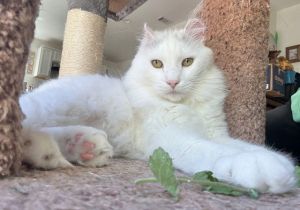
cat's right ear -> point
(148, 33)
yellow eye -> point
(157, 63)
(187, 62)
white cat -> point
(171, 97)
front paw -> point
(263, 170)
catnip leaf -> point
(205, 175)
(161, 166)
(297, 171)
(225, 190)
(212, 184)
(253, 193)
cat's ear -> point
(148, 33)
(195, 29)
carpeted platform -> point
(112, 187)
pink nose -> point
(172, 83)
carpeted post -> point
(84, 37)
(237, 31)
(16, 33)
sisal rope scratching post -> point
(84, 37)
(237, 31)
(16, 33)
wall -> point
(116, 69)
(288, 28)
(36, 43)
(273, 19)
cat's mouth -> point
(174, 95)
(173, 92)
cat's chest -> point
(172, 114)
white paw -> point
(89, 148)
(41, 151)
(263, 170)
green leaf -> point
(253, 193)
(297, 171)
(225, 190)
(212, 184)
(162, 167)
(205, 175)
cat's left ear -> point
(195, 28)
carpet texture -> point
(112, 187)
(16, 33)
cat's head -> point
(169, 63)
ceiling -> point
(120, 37)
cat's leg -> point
(83, 145)
(41, 151)
(258, 168)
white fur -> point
(37, 145)
(142, 112)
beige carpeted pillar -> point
(237, 31)
(16, 33)
(84, 37)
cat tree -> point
(237, 31)
(84, 33)
(84, 37)
(16, 33)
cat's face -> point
(170, 63)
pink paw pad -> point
(88, 145)
(81, 146)
(88, 154)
